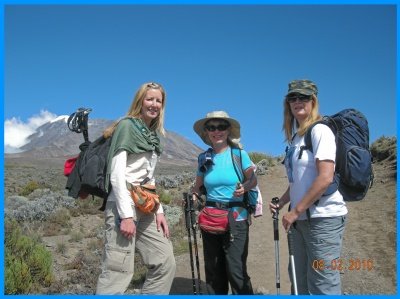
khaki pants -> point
(119, 252)
(316, 248)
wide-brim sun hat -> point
(234, 135)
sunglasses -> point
(301, 97)
(153, 85)
(220, 127)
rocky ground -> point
(369, 241)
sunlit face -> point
(300, 105)
(218, 131)
(152, 104)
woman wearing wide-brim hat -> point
(225, 252)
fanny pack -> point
(215, 217)
(144, 197)
(214, 220)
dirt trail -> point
(369, 246)
(368, 255)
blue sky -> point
(237, 58)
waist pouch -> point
(214, 220)
(144, 197)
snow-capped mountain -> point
(54, 139)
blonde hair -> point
(289, 122)
(234, 143)
(135, 109)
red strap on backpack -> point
(69, 165)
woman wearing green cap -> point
(317, 211)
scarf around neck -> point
(134, 136)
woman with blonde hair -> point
(134, 151)
(317, 212)
(226, 249)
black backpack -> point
(88, 176)
(353, 169)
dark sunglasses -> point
(221, 127)
(153, 85)
(301, 97)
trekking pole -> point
(275, 215)
(84, 124)
(186, 197)
(291, 258)
(78, 122)
(196, 252)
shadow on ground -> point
(184, 286)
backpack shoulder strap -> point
(307, 137)
(203, 154)
(236, 155)
(205, 160)
(294, 135)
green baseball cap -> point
(306, 87)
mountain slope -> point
(54, 139)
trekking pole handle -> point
(192, 213)
(275, 201)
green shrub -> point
(29, 188)
(28, 265)
(89, 205)
(384, 148)
(18, 279)
(58, 223)
(61, 247)
(61, 217)
(257, 157)
(165, 196)
(76, 236)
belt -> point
(224, 205)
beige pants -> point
(119, 252)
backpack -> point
(353, 170)
(89, 168)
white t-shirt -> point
(303, 172)
(132, 168)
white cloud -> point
(16, 131)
